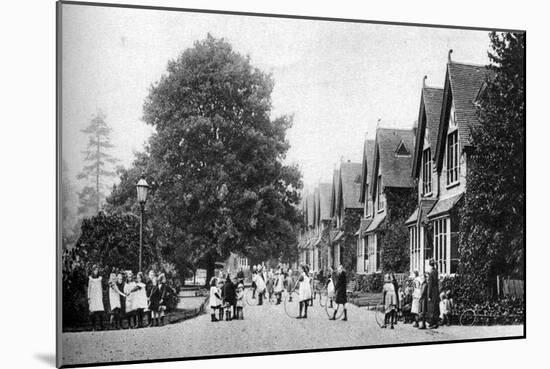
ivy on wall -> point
(348, 249)
(392, 234)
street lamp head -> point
(142, 188)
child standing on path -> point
(114, 302)
(95, 298)
(390, 301)
(240, 302)
(304, 292)
(444, 309)
(215, 299)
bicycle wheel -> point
(251, 298)
(468, 318)
(292, 305)
(331, 308)
(380, 315)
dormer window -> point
(402, 150)
(427, 172)
(380, 196)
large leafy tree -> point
(216, 161)
(98, 165)
(493, 215)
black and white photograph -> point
(234, 184)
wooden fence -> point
(512, 287)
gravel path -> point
(265, 329)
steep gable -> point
(462, 85)
(324, 200)
(428, 122)
(350, 175)
(367, 163)
(395, 169)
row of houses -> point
(402, 199)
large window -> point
(452, 158)
(414, 249)
(442, 245)
(371, 253)
(427, 172)
(380, 194)
(361, 255)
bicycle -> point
(474, 316)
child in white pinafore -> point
(240, 302)
(95, 298)
(215, 299)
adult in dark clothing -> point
(396, 289)
(433, 296)
(229, 296)
(240, 276)
(423, 302)
(341, 297)
(120, 285)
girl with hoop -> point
(304, 292)
(341, 293)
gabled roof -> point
(324, 200)
(462, 84)
(428, 118)
(368, 155)
(316, 206)
(310, 209)
(335, 187)
(350, 185)
(395, 169)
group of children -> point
(409, 302)
(226, 297)
(130, 297)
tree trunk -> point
(210, 266)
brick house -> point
(346, 213)
(367, 202)
(392, 192)
(435, 235)
(322, 224)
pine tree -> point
(98, 163)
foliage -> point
(219, 184)
(96, 169)
(112, 241)
(392, 234)
(372, 282)
(492, 227)
(509, 310)
(348, 256)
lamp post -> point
(142, 188)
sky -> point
(337, 79)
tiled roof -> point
(317, 206)
(363, 226)
(428, 118)
(413, 218)
(463, 82)
(427, 205)
(395, 170)
(444, 206)
(310, 209)
(378, 219)
(466, 80)
(350, 174)
(324, 199)
(367, 165)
